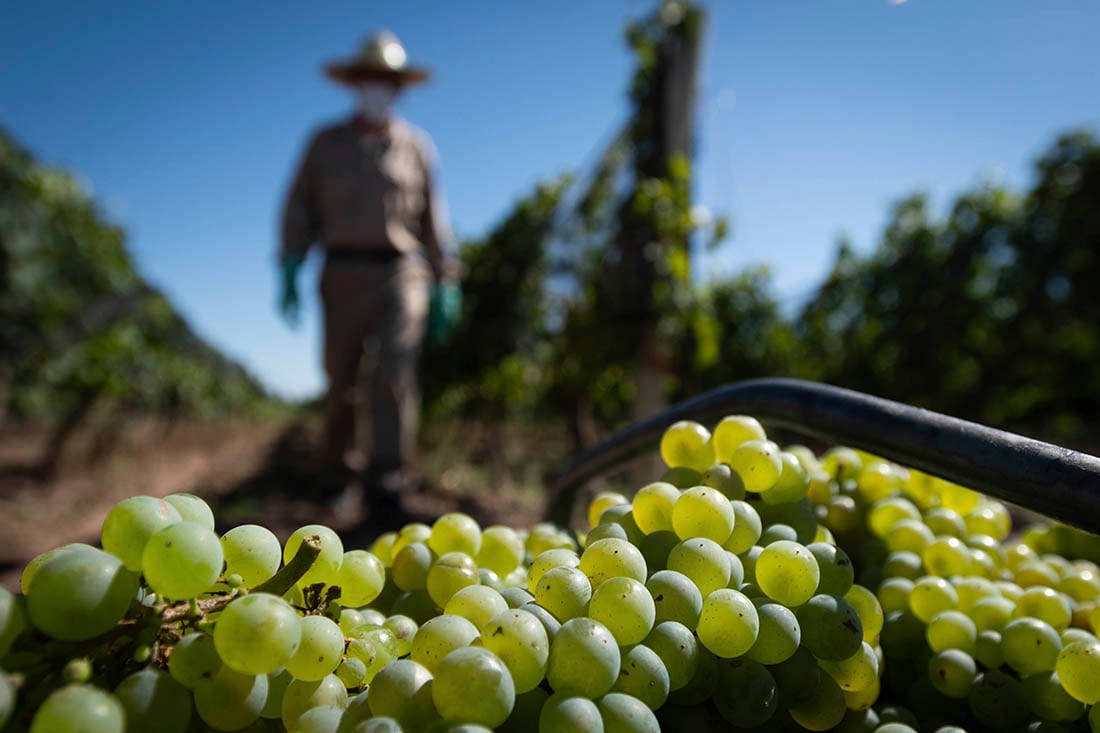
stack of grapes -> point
(717, 597)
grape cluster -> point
(716, 597)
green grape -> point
(449, 574)
(737, 571)
(946, 556)
(607, 530)
(194, 658)
(703, 512)
(501, 550)
(703, 561)
(129, 525)
(375, 725)
(728, 624)
(79, 708)
(610, 558)
(865, 698)
(971, 590)
(778, 636)
(776, 532)
(545, 537)
(732, 431)
(7, 700)
(682, 477)
(439, 637)
(403, 691)
(758, 464)
(893, 594)
(841, 463)
(375, 648)
(623, 515)
(154, 703)
(951, 630)
(1082, 585)
(675, 598)
(930, 596)
(252, 552)
(320, 719)
(626, 714)
(702, 684)
(992, 613)
(990, 519)
(565, 712)
(301, 696)
(747, 695)
(192, 509)
(351, 672)
(80, 594)
(796, 677)
(823, 709)
(327, 565)
(869, 610)
(547, 561)
(1045, 604)
(831, 628)
(13, 619)
(520, 641)
(1072, 635)
(361, 577)
(1078, 667)
(230, 700)
(455, 532)
(902, 635)
(998, 701)
(653, 506)
(182, 561)
(1049, 700)
(837, 573)
(687, 443)
(952, 673)
(404, 629)
(788, 573)
(601, 502)
(643, 675)
(382, 547)
(909, 535)
(257, 633)
(945, 522)
(477, 604)
(31, 568)
(473, 685)
(656, 548)
(792, 484)
(841, 514)
(320, 649)
(747, 528)
(412, 532)
(857, 672)
(625, 607)
(888, 512)
(1030, 646)
(564, 592)
(748, 564)
(723, 478)
(490, 579)
(584, 658)
(1035, 573)
(411, 565)
(549, 623)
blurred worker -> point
(365, 192)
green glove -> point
(444, 313)
(288, 291)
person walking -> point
(365, 192)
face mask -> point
(376, 100)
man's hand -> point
(289, 303)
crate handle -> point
(1060, 483)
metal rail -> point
(1061, 483)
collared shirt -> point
(358, 189)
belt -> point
(374, 254)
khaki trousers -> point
(374, 319)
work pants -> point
(375, 313)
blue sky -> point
(185, 120)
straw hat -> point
(381, 57)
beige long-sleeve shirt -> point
(360, 191)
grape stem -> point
(282, 581)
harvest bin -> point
(1060, 483)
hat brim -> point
(351, 73)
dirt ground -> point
(251, 472)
